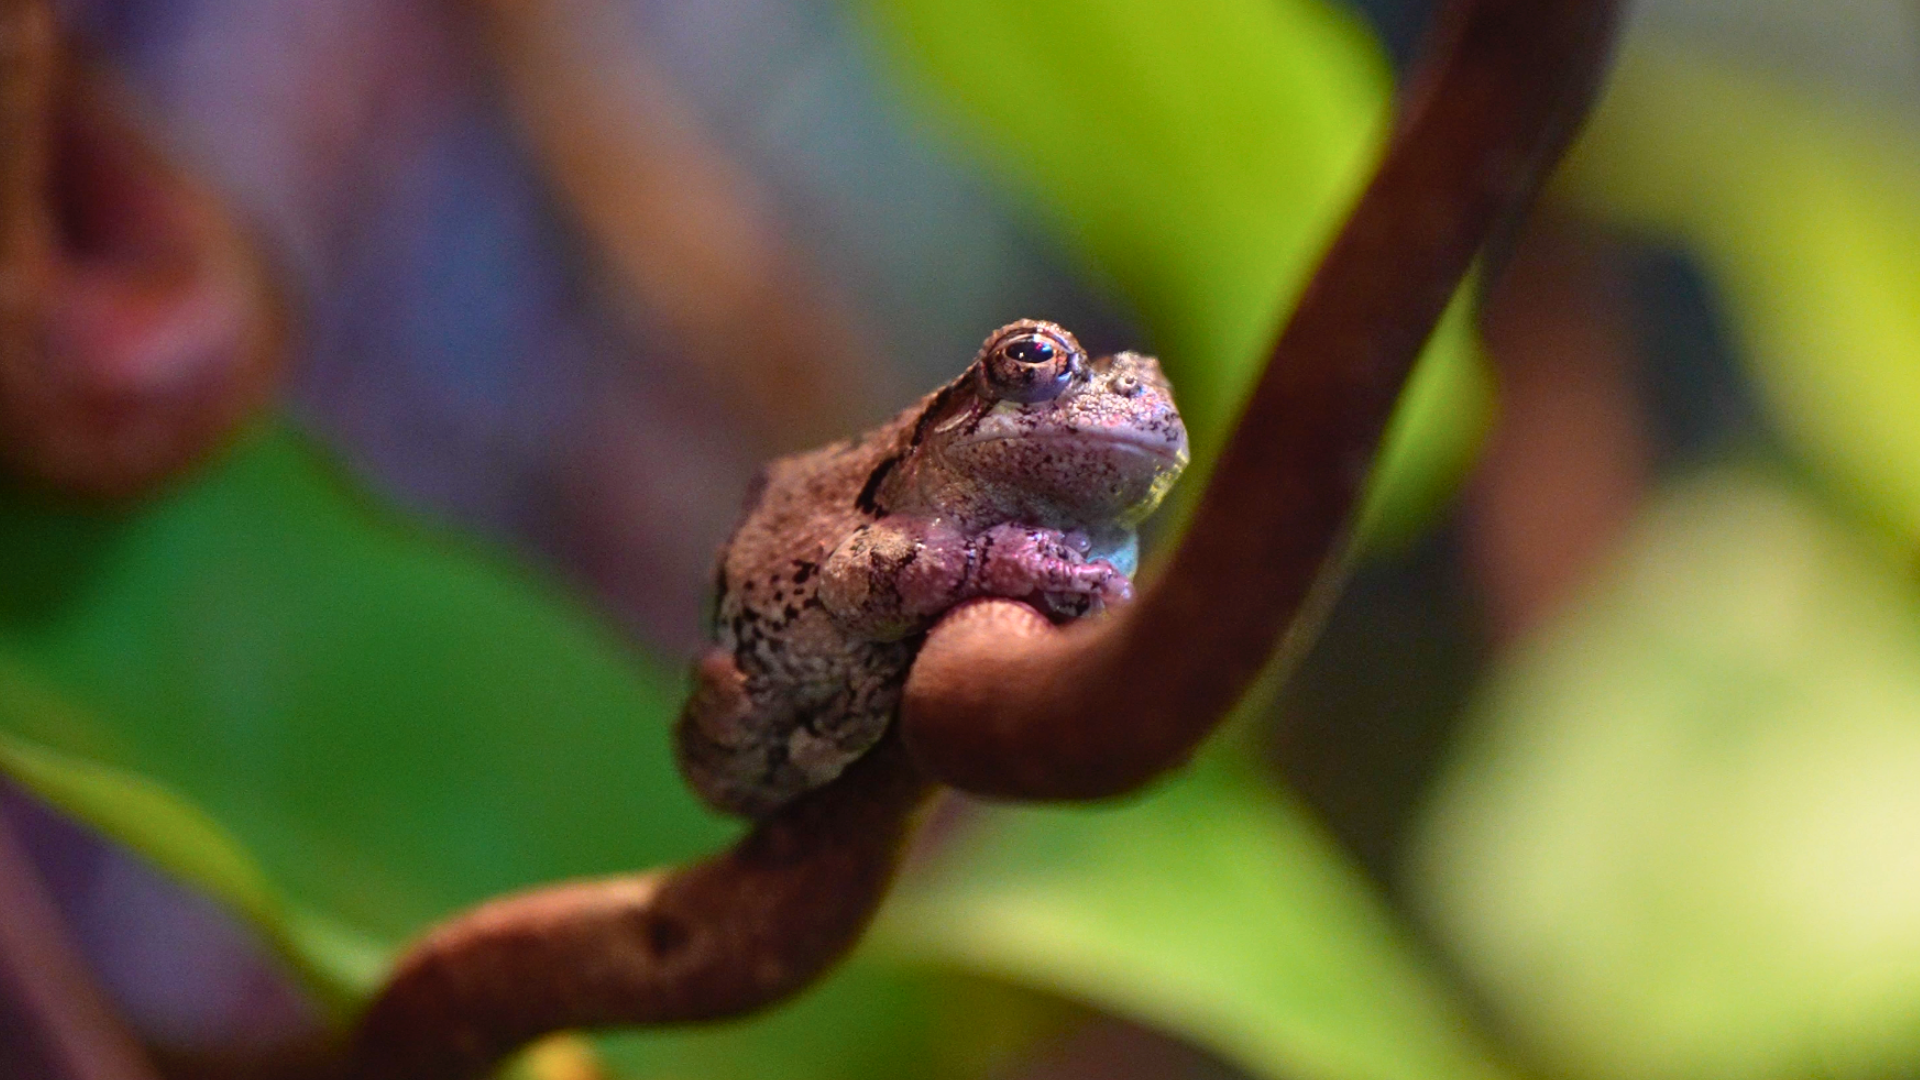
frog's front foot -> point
(1047, 566)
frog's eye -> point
(1030, 361)
(1032, 350)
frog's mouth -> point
(1169, 454)
(1110, 477)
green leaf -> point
(339, 965)
(1198, 157)
(385, 725)
(1213, 908)
(1681, 837)
(1807, 215)
(871, 1018)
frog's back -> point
(805, 697)
(799, 508)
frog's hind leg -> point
(721, 740)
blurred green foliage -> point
(1680, 836)
(177, 836)
(872, 1017)
(1680, 840)
(391, 724)
(1806, 213)
(1211, 907)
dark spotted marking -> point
(665, 935)
(866, 502)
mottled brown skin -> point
(1025, 478)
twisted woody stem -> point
(1504, 90)
(722, 937)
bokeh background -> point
(1607, 765)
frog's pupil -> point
(1030, 351)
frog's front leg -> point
(890, 578)
(1048, 567)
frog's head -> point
(1099, 440)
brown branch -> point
(1099, 709)
(136, 328)
(1090, 711)
(70, 1032)
(720, 938)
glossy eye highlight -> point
(1030, 361)
(1033, 350)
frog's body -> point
(1025, 477)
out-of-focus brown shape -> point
(136, 329)
(1565, 467)
(719, 938)
(685, 232)
(27, 49)
(1000, 702)
(1098, 709)
(54, 1022)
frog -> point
(1026, 477)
